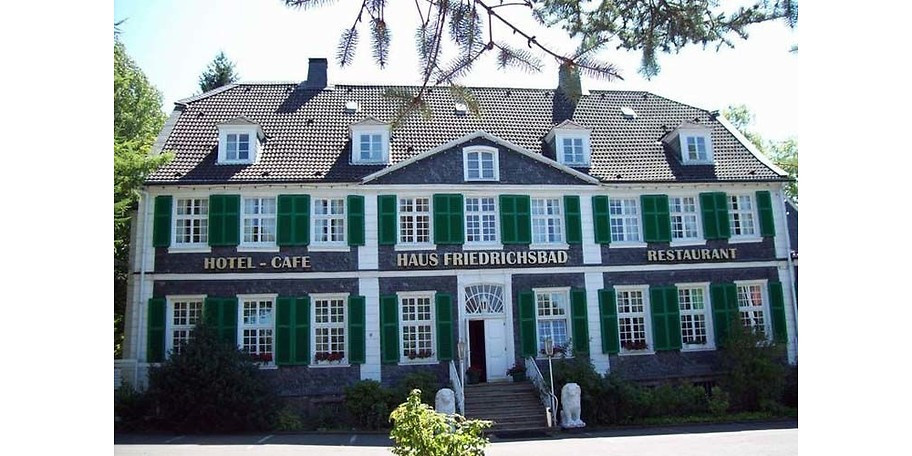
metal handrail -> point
(544, 394)
(458, 390)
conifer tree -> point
(219, 72)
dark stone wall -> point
(751, 251)
(667, 365)
(193, 262)
(285, 287)
(446, 167)
(392, 374)
(311, 381)
(387, 257)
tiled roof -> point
(307, 133)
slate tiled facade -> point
(584, 255)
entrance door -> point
(477, 347)
(495, 349)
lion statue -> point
(570, 413)
(445, 401)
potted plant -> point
(638, 345)
(518, 372)
(473, 375)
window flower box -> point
(634, 345)
(329, 357)
(261, 358)
(419, 354)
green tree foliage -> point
(219, 72)
(137, 120)
(210, 386)
(783, 153)
(755, 369)
(418, 430)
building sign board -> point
(679, 255)
(482, 258)
(241, 263)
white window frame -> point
(357, 132)
(559, 148)
(315, 243)
(707, 316)
(763, 307)
(410, 245)
(647, 318)
(169, 317)
(561, 240)
(637, 217)
(344, 362)
(539, 342)
(257, 326)
(432, 297)
(481, 245)
(695, 240)
(268, 246)
(480, 150)
(707, 141)
(253, 142)
(204, 220)
(755, 219)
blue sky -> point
(174, 40)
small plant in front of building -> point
(419, 354)
(330, 357)
(634, 345)
(518, 371)
(473, 375)
(419, 430)
(369, 404)
(755, 368)
(718, 401)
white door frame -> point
(495, 277)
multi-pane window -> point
(573, 151)
(417, 328)
(329, 221)
(259, 220)
(414, 220)
(547, 221)
(371, 147)
(692, 306)
(741, 215)
(256, 328)
(185, 314)
(683, 212)
(238, 146)
(480, 220)
(329, 330)
(191, 221)
(632, 319)
(480, 165)
(750, 306)
(551, 313)
(625, 220)
(696, 148)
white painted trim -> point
(601, 361)
(592, 252)
(254, 144)
(498, 243)
(480, 150)
(257, 248)
(706, 134)
(243, 215)
(755, 218)
(568, 317)
(368, 256)
(334, 246)
(313, 333)
(764, 296)
(169, 316)
(791, 317)
(708, 317)
(356, 131)
(432, 295)
(701, 238)
(239, 336)
(573, 134)
(202, 248)
(370, 289)
(647, 319)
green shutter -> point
(356, 336)
(725, 310)
(389, 329)
(355, 220)
(765, 211)
(449, 226)
(445, 333)
(515, 219)
(221, 315)
(601, 219)
(527, 334)
(155, 342)
(714, 207)
(580, 320)
(777, 308)
(386, 219)
(656, 219)
(573, 220)
(161, 221)
(666, 318)
(284, 342)
(301, 331)
(224, 220)
(611, 341)
(293, 220)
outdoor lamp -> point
(461, 352)
(549, 350)
(461, 349)
(549, 347)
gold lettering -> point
(704, 254)
(661, 255)
(484, 258)
(276, 262)
(473, 258)
(734, 253)
(687, 255)
(542, 257)
(715, 254)
(651, 255)
(401, 260)
(723, 253)
(562, 256)
(434, 261)
(208, 263)
(511, 257)
(286, 262)
(552, 256)
(457, 259)
(305, 262)
(221, 263)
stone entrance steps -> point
(511, 406)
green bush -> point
(369, 404)
(287, 420)
(424, 381)
(132, 409)
(755, 371)
(210, 386)
(790, 393)
(718, 401)
(419, 430)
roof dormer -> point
(240, 141)
(370, 140)
(692, 143)
(571, 144)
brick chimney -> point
(316, 74)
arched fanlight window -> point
(484, 299)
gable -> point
(447, 167)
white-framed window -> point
(634, 326)
(238, 143)
(370, 143)
(481, 220)
(480, 164)
(752, 306)
(255, 329)
(551, 317)
(694, 308)
(330, 316)
(684, 219)
(415, 220)
(547, 221)
(416, 326)
(624, 214)
(696, 147)
(572, 150)
(191, 222)
(237, 147)
(329, 221)
(741, 216)
(258, 221)
(184, 312)
(572, 147)
(371, 149)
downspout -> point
(791, 267)
(144, 197)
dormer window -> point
(572, 151)
(239, 141)
(370, 140)
(480, 164)
(238, 147)
(691, 143)
(371, 147)
(570, 141)
(695, 149)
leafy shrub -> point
(679, 400)
(326, 416)
(369, 404)
(132, 408)
(424, 381)
(210, 386)
(790, 393)
(419, 430)
(755, 372)
(718, 401)
(288, 420)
